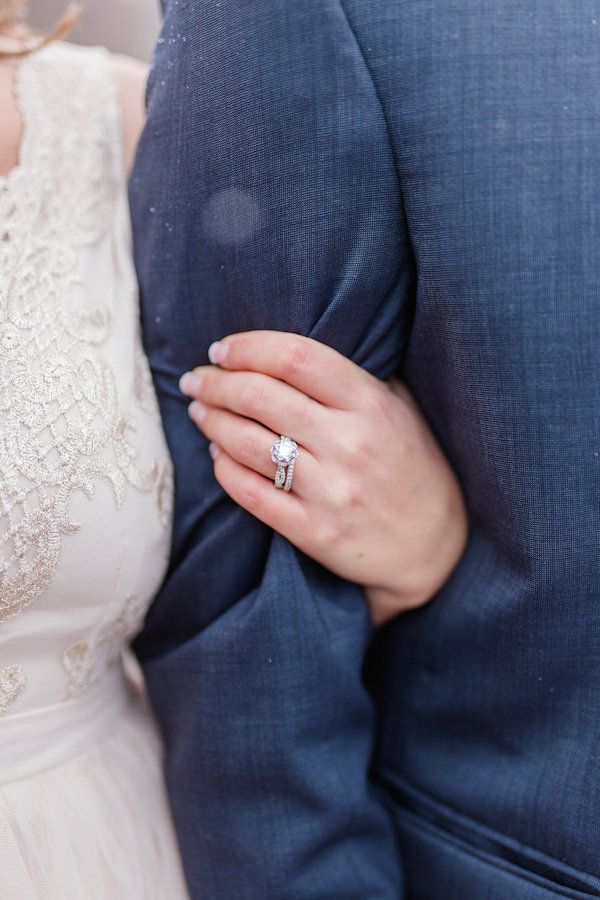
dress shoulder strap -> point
(72, 130)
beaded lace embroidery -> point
(12, 685)
(61, 423)
(86, 659)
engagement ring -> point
(284, 454)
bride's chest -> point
(85, 477)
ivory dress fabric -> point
(85, 508)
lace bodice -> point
(85, 478)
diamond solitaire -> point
(284, 451)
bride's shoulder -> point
(131, 76)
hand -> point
(373, 500)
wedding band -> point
(284, 454)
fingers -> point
(307, 365)
(250, 444)
(282, 512)
(272, 403)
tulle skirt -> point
(96, 826)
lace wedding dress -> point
(85, 508)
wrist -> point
(387, 603)
(411, 586)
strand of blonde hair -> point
(29, 39)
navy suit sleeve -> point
(264, 195)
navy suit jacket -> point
(417, 184)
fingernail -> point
(214, 450)
(217, 352)
(196, 411)
(190, 383)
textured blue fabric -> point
(417, 184)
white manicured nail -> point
(196, 411)
(190, 383)
(217, 352)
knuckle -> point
(354, 499)
(248, 498)
(362, 451)
(299, 411)
(295, 359)
(345, 495)
(248, 448)
(357, 450)
(253, 396)
(327, 534)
